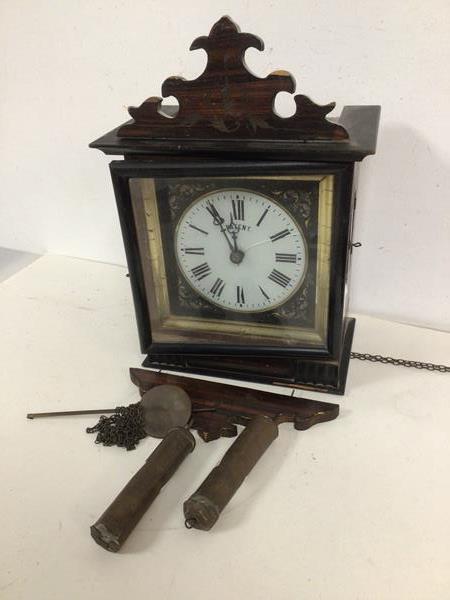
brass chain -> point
(400, 362)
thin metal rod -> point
(97, 411)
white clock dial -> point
(241, 250)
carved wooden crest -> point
(228, 102)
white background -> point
(354, 509)
(70, 68)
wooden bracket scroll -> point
(228, 102)
(231, 405)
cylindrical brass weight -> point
(119, 519)
(203, 508)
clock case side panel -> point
(130, 239)
(122, 171)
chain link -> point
(124, 428)
(400, 362)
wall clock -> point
(237, 222)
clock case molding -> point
(226, 126)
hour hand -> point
(236, 256)
(232, 229)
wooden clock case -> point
(226, 125)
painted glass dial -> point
(241, 250)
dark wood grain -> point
(360, 121)
(232, 405)
(228, 101)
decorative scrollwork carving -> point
(297, 202)
(187, 298)
(228, 102)
(180, 195)
(300, 305)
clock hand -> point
(257, 244)
(232, 229)
(217, 220)
(236, 256)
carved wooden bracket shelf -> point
(228, 102)
(233, 405)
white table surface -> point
(358, 508)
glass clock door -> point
(236, 260)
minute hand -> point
(217, 219)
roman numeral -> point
(262, 217)
(240, 295)
(264, 293)
(199, 251)
(238, 209)
(287, 258)
(198, 229)
(215, 215)
(217, 287)
(279, 278)
(281, 234)
(201, 271)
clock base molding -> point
(317, 374)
